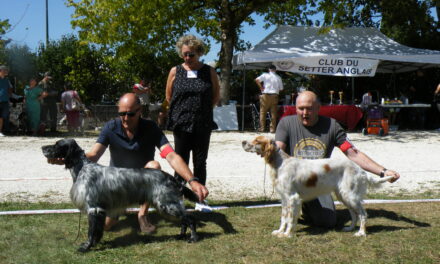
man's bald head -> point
(308, 96)
(129, 99)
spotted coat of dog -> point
(297, 180)
(102, 191)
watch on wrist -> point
(382, 173)
(193, 179)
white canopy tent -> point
(353, 52)
(306, 46)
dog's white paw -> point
(281, 234)
(288, 235)
(276, 232)
(360, 234)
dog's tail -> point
(374, 181)
(190, 195)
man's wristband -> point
(382, 173)
(193, 179)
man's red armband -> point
(345, 146)
(165, 151)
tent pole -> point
(394, 84)
(242, 103)
(352, 90)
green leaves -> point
(4, 26)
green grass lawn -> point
(397, 233)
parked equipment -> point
(376, 123)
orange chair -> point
(376, 124)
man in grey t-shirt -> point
(310, 136)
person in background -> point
(437, 97)
(418, 94)
(308, 135)
(49, 104)
(437, 103)
(5, 93)
(192, 91)
(71, 104)
(143, 91)
(270, 85)
(34, 94)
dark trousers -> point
(52, 110)
(198, 143)
(4, 114)
(315, 214)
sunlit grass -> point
(397, 233)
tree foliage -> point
(22, 63)
(4, 26)
(85, 67)
(95, 71)
(407, 21)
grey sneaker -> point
(203, 207)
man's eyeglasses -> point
(189, 54)
(130, 114)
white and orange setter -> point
(298, 180)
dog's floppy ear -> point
(260, 143)
(269, 149)
(73, 152)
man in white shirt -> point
(270, 85)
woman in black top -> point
(192, 91)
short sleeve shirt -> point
(272, 82)
(67, 99)
(315, 142)
(132, 153)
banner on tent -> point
(352, 67)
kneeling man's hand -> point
(200, 190)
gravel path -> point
(232, 173)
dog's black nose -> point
(244, 142)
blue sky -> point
(28, 20)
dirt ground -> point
(232, 173)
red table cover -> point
(348, 115)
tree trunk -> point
(226, 54)
(228, 40)
(231, 17)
